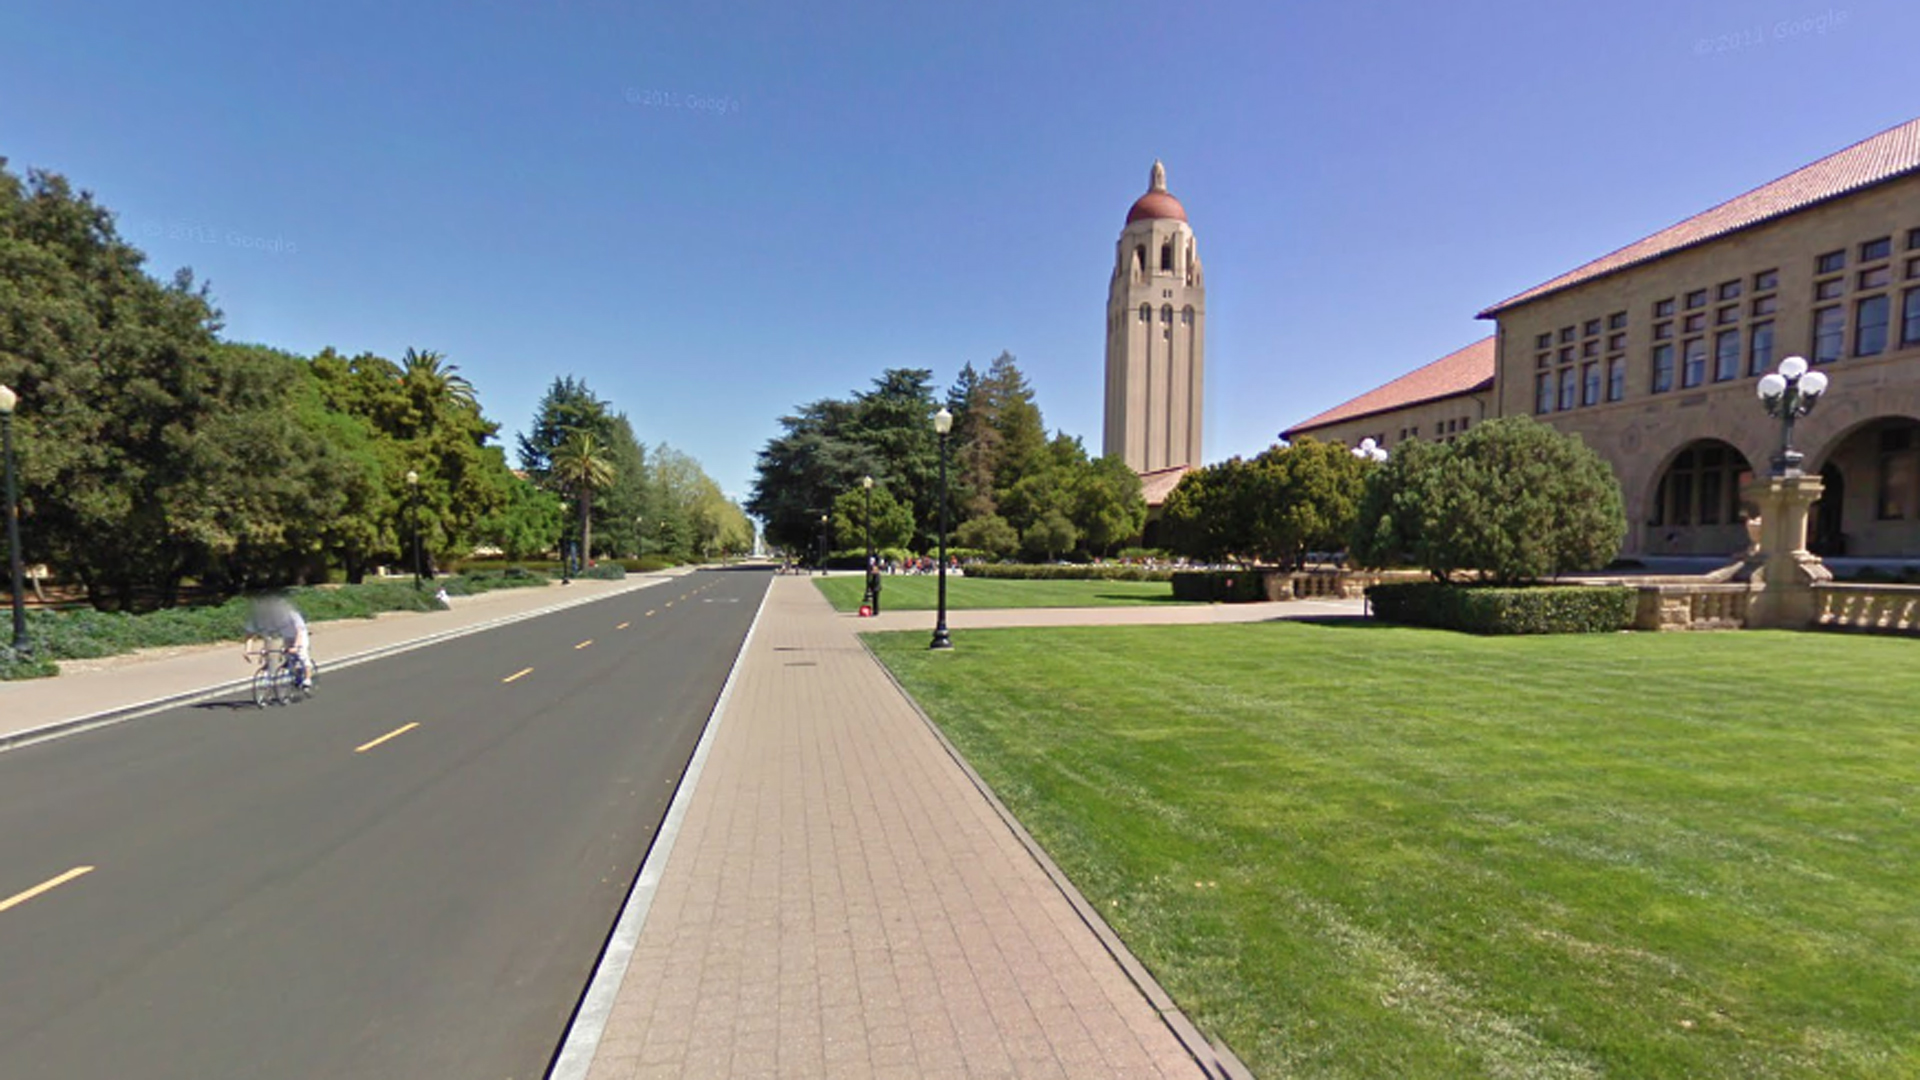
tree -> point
(990, 533)
(568, 406)
(1052, 535)
(527, 525)
(579, 466)
(1109, 506)
(892, 519)
(1209, 514)
(1304, 497)
(1512, 498)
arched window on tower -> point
(1166, 256)
(1166, 314)
(1186, 315)
(1139, 261)
(1146, 313)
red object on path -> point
(865, 611)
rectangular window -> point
(1913, 268)
(1590, 384)
(1693, 363)
(1662, 368)
(1617, 321)
(1682, 498)
(1897, 479)
(1829, 334)
(1662, 331)
(1727, 315)
(1543, 392)
(1544, 341)
(1870, 326)
(1876, 277)
(1876, 249)
(1592, 328)
(1726, 355)
(1730, 290)
(1693, 324)
(1696, 299)
(1544, 360)
(1566, 355)
(1913, 239)
(1616, 342)
(1830, 288)
(1590, 348)
(1568, 388)
(1566, 334)
(1662, 308)
(1910, 317)
(1616, 378)
(1465, 421)
(1761, 354)
(1831, 263)
(1766, 279)
(1710, 498)
(1766, 305)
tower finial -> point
(1158, 182)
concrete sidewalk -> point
(110, 684)
(843, 902)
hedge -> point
(1482, 609)
(609, 570)
(1076, 572)
(1220, 586)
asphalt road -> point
(271, 896)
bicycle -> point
(278, 679)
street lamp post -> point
(7, 401)
(413, 485)
(640, 537)
(942, 424)
(866, 483)
(1790, 393)
(823, 543)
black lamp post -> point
(413, 485)
(942, 424)
(866, 483)
(1790, 393)
(823, 543)
(640, 537)
(7, 401)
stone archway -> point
(1874, 512)
(1693, 506)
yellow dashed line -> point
(364, 747)
(623, 626)
(649, 614)
(583, 645)
(52, 883)
(518, 674)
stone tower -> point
(1156, 336)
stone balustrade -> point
(1692, 606)
(1885, 609)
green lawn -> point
(916, 593)
(1360, 851)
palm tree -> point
(580, 468)
(441, 381)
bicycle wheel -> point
(263, 683)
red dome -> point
(1156, 205)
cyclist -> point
(271, 617)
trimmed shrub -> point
(14, 666)
(648, 564)
(605, 571)
(1220, 586)
(1480, 609)
(1044, 572)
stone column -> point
(1783, 572)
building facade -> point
(1156, 337)
(1437, 402)
(1652, 354)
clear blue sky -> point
(713, 212)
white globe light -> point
(8, 399)
(943, 421)
(1814, 384)
(1773, 385)
(1793, 367)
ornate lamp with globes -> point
(1782, 570)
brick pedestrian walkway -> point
(842, 902)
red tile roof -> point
(1892, 153)
(1159, 484)
(1464, 372)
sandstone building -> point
(1651, 354)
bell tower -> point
(1156, 336)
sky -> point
(715, 212)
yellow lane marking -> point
(623, 626)
(669, 603)
(522, 673)
(583, 645)
(649, 614)
(52, 883)
(364, 747)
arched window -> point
(1186, 316)
(1166, 314)
(1146, 313)
(1166, 255)
(1139, 258)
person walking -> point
(873, 585)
